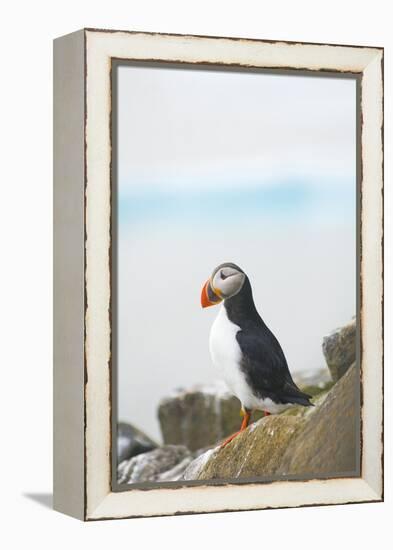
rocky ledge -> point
(202, 415)
(314, 442)
(305, 442)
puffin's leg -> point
(246, 413)
(266, 413)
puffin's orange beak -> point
(209, 297)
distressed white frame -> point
(99, 48)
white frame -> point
(82, 472)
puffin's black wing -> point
(266, 369)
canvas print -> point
(235, 348)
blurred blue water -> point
(287, 201)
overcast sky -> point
(182, 128)
(219, 166)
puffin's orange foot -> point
(265, 413)
(225, 443)
(246, 420)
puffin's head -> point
(226, 281)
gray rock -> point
(131, 442)
(339, 349)
(327, 444)
(176, 472)
(165, 463)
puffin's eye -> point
(223, 276)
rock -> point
(327, 444)
(319, 441)
(196, 467)
(131, 442)
(176, 472)
(254, 453)
(200, 416)
(165, 463)
(339, 349)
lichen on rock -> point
(255, 452)
(327, 443)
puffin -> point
(245, 351)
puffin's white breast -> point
(226, 356)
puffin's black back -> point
(263, 360)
